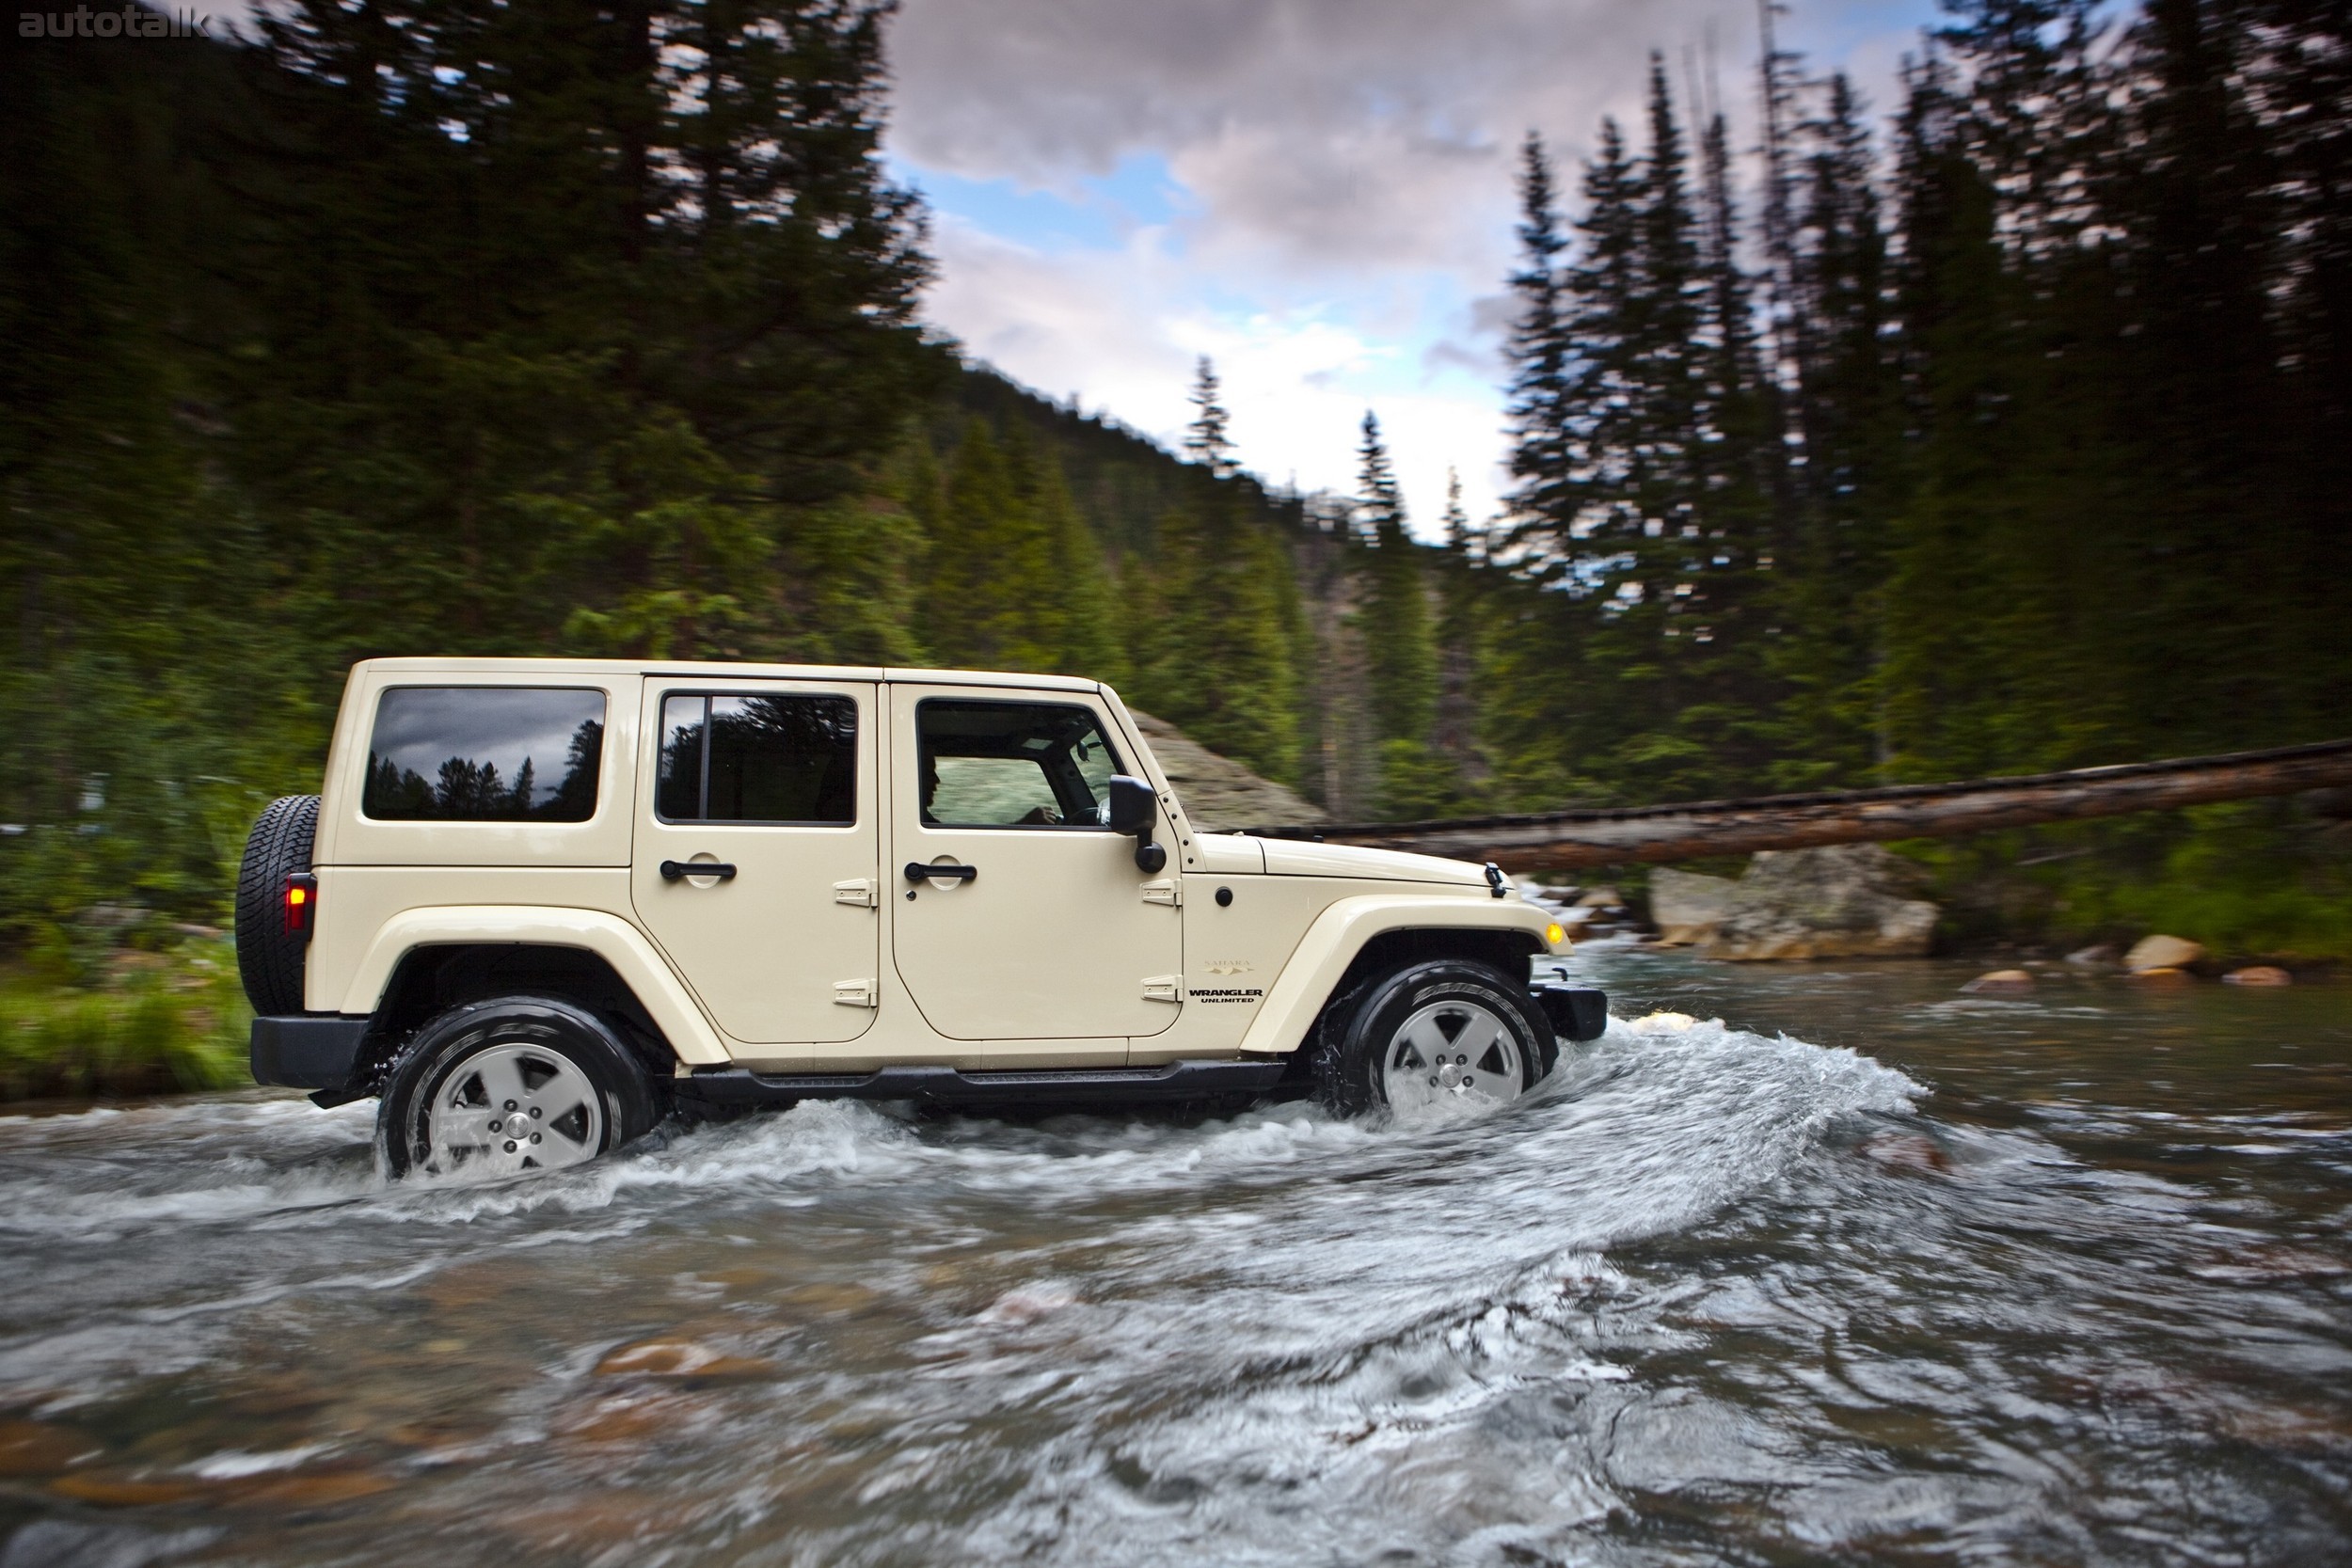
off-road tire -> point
(631, 1101)
(270, 958)
(1356, 1029)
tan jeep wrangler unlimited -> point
(542, 903)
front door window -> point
(1014, 765)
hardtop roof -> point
(713, 670)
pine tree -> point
(1399, 648)
(1453, 525)
(627, 447)
(1206, 440)
(1542, 501)
(1461, 595)
(1601, 420)
(1017, 581)
(1641, 298)
(1076, 581)
(1397, 604)
(1834, 548)
(1218, 664)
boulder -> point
(2001, 982)
(1220, 794)
(1685, 907)
(2162, 952)
(2258, 974)
(1844, 901)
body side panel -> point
(611, 936)
(1341, 931)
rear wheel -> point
(521, 1083)
(1445, 1031)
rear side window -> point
(484, 753)
(785, 760)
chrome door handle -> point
(918, 871)
(673, 870)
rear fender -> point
(1341, 931)
(611, 938)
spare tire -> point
(269, 957)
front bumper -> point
(1577, 1012)
(308, 1050)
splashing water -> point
(1714, 1294)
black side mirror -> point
(1134, 806)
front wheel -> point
(1447, 1031)
(521, 1083)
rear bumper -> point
(951, 1085)
(309, 1051)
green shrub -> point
(156, 1023)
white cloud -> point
(1107, 325)
(1349, 169)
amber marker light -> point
(1555, 933)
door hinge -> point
(1168, 890)
(1164, 987)
(863, 892)
(857, 993)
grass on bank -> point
(149, 1022)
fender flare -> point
(671, 1009)
(1340, 933)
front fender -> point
(607, 936)
(1340, 933)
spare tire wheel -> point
(270, 956)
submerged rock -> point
(2258, 974)
(2162, 952)
(679, 1358)
(1845, 901)
(2001, 982)
(2097, 955)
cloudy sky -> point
(1317, 193)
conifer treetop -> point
(1208, 440)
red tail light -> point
(302, 903)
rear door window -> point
(484, 753)
(782, 760)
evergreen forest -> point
(2007, 427)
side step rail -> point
(1187, 1080)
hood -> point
(1291, 857)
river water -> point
(1866, 1271)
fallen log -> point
(1573, 840)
